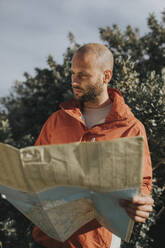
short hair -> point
(102, 53)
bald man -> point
(97, 113)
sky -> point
(30, 30)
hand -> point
(138, 208)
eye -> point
(83, 75)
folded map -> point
(62, 187)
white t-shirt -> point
(94, 116)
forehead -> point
(85, 62)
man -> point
(96, 113)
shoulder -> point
(47, 129)
(54, 118)
(139, 127)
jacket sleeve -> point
(147, 168)
(44, 137)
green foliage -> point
(148, 51)
(5, 130)
(33, 100)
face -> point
(87, 78)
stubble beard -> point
(91, 93)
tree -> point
(148, 51)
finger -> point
(136, 218)
(125, 204)
(139, 219)
(141, 199)
(138, 213)
(144, 208)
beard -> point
(90, 93)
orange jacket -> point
(67, 125)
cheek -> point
(93, 80)
(85, 82)
(100, 78)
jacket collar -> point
(119, 111)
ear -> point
(107, 76)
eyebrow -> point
(81, 73)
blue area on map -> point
(67, 193)
(107, 205)
(19, 198)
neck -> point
(99, 102)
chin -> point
(77, 97)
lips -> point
(77, 90)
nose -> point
(75, 81)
